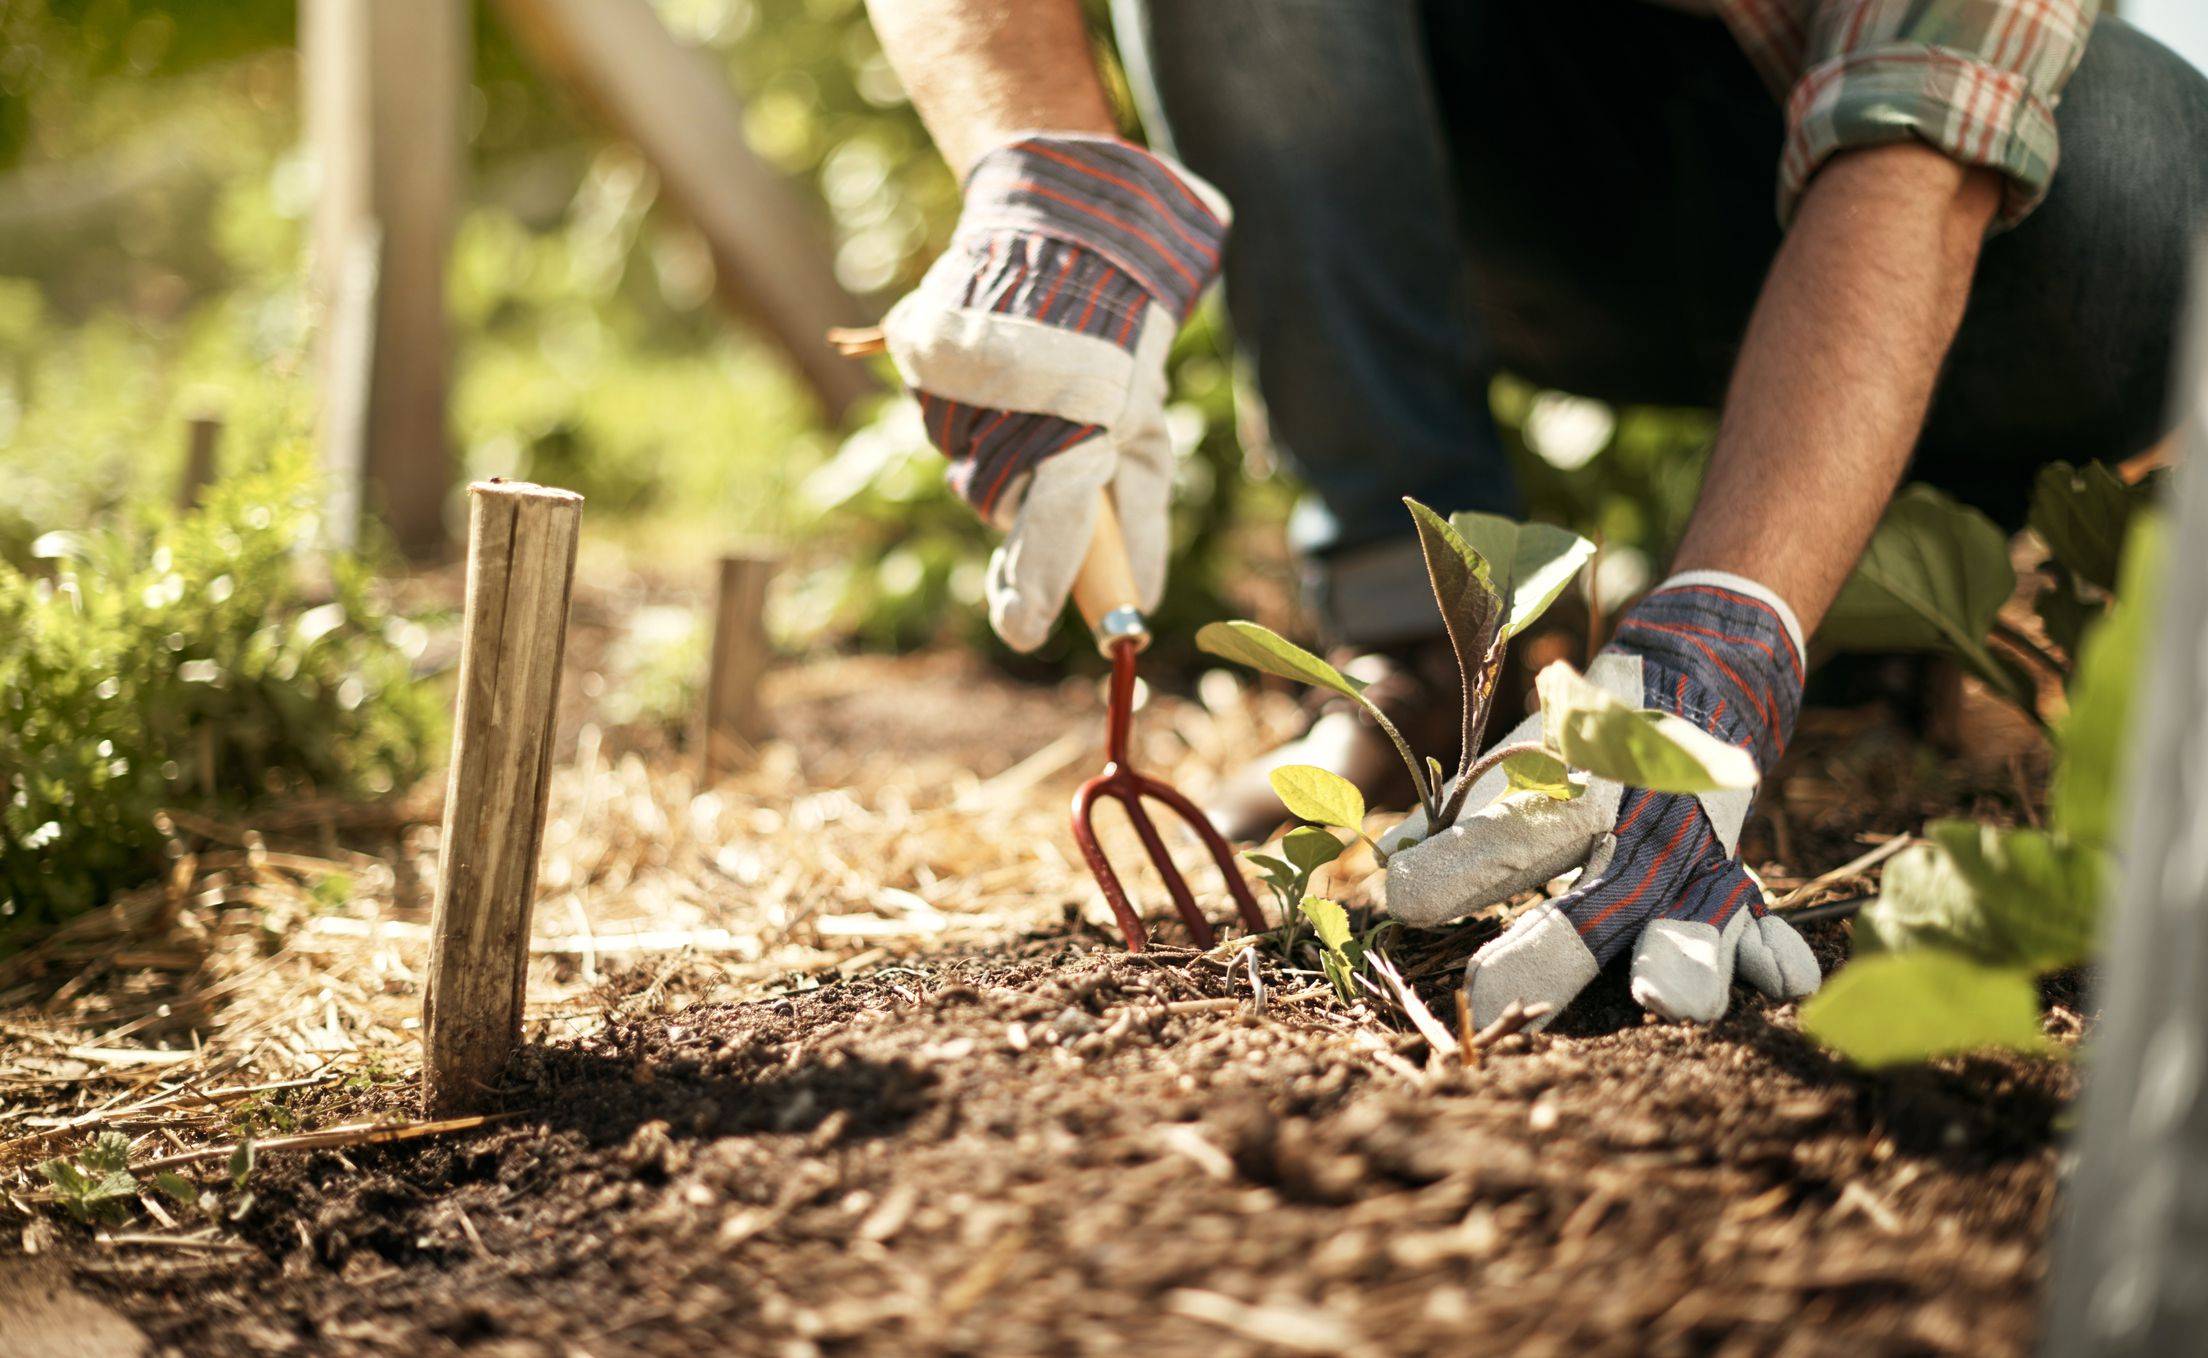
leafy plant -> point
(1340, 951)
(1487, 595)
(1964, 923)
(214, 658)
(95, 1185)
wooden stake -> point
(521, 566)
(731, 722)
(203, 434)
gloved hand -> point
(1658, 870)
(1037, 347)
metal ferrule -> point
(1122, 624)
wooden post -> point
(384, 84)
(771, 253)
(202, 435)
(2133, 1244)
(521, 566)
(731, 722)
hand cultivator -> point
(1105, 594)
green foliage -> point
(1472, 614)
(1935, 574)
(97, 1184)
(1905, 1007)
(1308, 848)
(1591, 730)
(2084, 515)
(1314, 794)
(204, 659)
(2086, 794)
(1542, 772)
(1530, 564)
(1966, 921)
(1341, 953)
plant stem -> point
(1480, 766)
(2015, 640)
(1429, 798)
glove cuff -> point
(1721, 652)
(1150, 218)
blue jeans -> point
(1428, 190)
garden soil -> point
(1030, 1142)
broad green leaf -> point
(2006, 897)
(2082, 514)
(1472, 615)
(1311, 793)
(1530, 563)
(1329, 921)
(2095, 739)
(1932, 579)
(241, 1163)
(1310, 848)
(1595, 732)
(1246, 643)
(1899, 1008)
(1542, 772)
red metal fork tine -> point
(1100, 867)
(1253, 919)
(1161, 858)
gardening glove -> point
(1658, 871)
(1037, 348)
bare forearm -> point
(981, 70)
(1837, 369)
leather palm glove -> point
(1037, 345)
(1658, 872)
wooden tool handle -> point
(1105, 591)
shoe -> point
(1415, 685)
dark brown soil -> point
(1037, 1155)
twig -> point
(1399, 991)
(352, 1134)
(1854, 867)
(1515, 1018)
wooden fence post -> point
(203, 434)
(2132, 1246)
(521, 566)
(384, 84)
(731, 722)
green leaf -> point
(1932, 579)
(1471, 614)
(1904, 1007)
(1542, 772)
(177, 1187)
(2006, 897)
(1310, 848)
(1246, 643)
(1313, 794)
(2095, 739)
(109, 1152)
(1530, 563)
(2083, 515)
(2066, 617)
(1594, 731)
(1281, 875)
(1329, 921)
(241, 1163)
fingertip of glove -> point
(1679, 971)
(1799, 975)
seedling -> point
(1492, 578)
(97, 1185)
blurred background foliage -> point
(154, 200)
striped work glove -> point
(1658, 871)
(1037, 348)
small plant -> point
(95, 1185)
(1492, 578)
(1949, 955)
(214, 658)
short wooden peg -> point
(203, 435)
(733, 722)
(521, 569)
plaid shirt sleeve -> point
(1976, 79)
